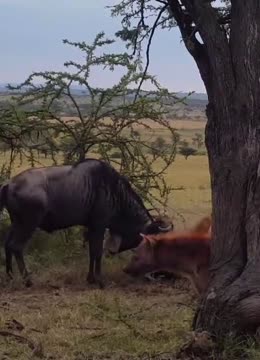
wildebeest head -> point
(115, 243)
(160, 223)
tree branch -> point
(148, 48)
(245, 21)
(216, 42)
(195, 48)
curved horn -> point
(167, 228)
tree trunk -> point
(229, 65)
(232, 302)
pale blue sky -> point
(32, 32)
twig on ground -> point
(36, 348)
(19, 338)
(97, 336)
(14, 325)
(84, 328)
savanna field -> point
(61, 317)
(135, 84)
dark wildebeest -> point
(90, 193)
(184, 254)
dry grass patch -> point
(67, 323)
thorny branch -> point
(107, 123)
(148, 48)
(189, 16)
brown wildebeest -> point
(203, 226)
(184, 254)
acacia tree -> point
(224, 40)
(103, 121)
(197, 140)
(187, 151)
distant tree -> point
(197, 140)
(136, 134)
(183, 143)
(158, 146)
(116, 155)
(187, 151)
(177, 138)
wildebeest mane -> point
(122, 194)
(130, 199)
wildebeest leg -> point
(95, 239)
(90, 277)
(15, 243)
(98, 274)
(8, 255)
(22, 268)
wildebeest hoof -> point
(91, 279)
(101, 284)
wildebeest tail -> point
(3, 196)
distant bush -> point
(183, 143)
(198, 140)
(116, 155)
(202, 153)
(158, 146)
(187, 151)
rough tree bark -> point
(230, 68)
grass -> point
(62, 317)
(72, 324)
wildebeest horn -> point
(166, 228)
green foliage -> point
(104, 126)
(141, 19)
(197, 140)
(187, 151)
(177, 138)
(159, 146)
(183, 143)
(116, 155)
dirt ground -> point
(61, 317)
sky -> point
(32, 32)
